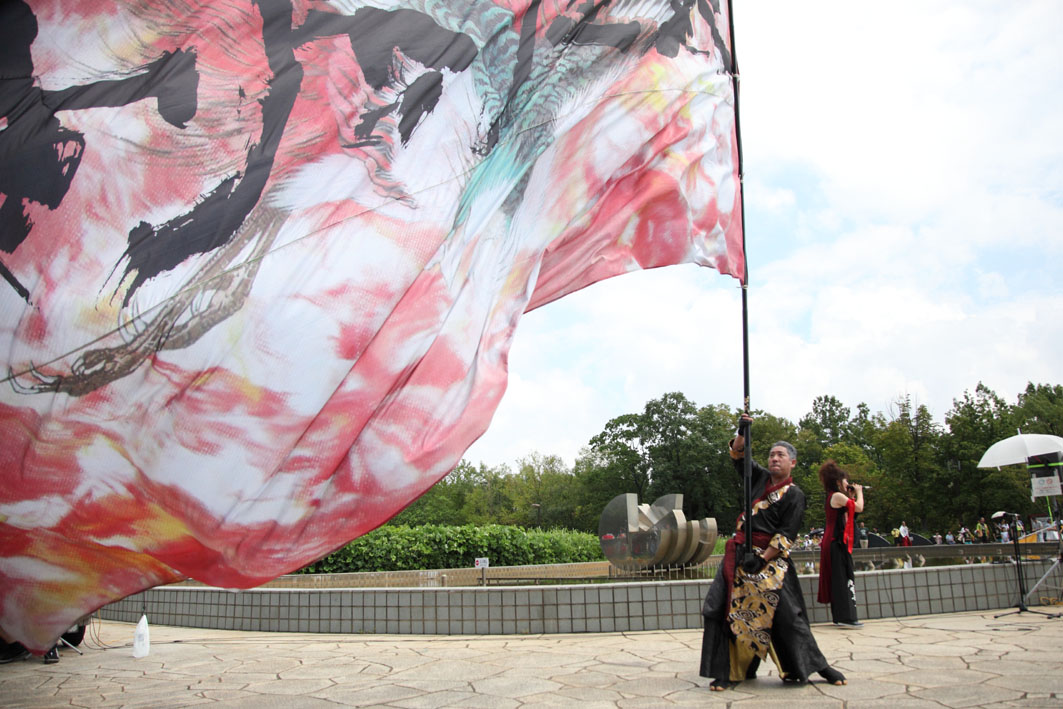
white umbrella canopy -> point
(1017, 449)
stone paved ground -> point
(955, 660)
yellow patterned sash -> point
(754, 599)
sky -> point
(904, 232)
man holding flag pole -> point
(755, 606)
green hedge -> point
(433, 546)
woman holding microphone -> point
(837, 583)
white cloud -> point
(607, 350)
(906, 110)
(769, 199)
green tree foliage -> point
(542, 492)
(722, 496)
(920, 471)
(620, 447)
(668, 428)
(598, 480)
(1040, 409)
(443, 502)
(828, 421)
(672, 446)
(974, 423)
(489, 499)
(854, 460)
(861, 432)
(908, 446)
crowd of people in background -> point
(984, 533)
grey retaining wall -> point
(605, 607)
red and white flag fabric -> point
(263, 260)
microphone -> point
(866, 487)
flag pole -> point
(745, 428)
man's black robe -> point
(791, 636)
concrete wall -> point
(604, 607)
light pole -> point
(538, 514)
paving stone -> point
(964, 695)
(1047, 683)
(539, 659)
(898, 701)
(270, 666)
(652, 687)
(1029, 702)
(279, 701)
(690, 697)
(450, 651)
(924, 679)
(437, 685)
(622, 671)
(289, 686)
(861, 689)
(674, 666)
(553, 701)
(514, 687)
(232, 679)
(88, 700)
(1012, 667)
(182, 699)
(452, 698)
(230, 682)
(224, 695)
(957, 660)
(464, 670)
(587, 678)
(865, 667)
(29, 701)
(810, 700)
(938, 649)
(321, 670)
(28, 682)
(367, 696)
(936, 663)
(589, 694)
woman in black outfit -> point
(837, 584)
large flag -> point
(263, 260)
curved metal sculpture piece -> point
(639, 536)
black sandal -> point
(795, 681)
(833, 676)
(719, 685)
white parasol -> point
(1017, 449)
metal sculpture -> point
(635, 536)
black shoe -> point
(849, 624)
(720, 685)
(52, 656)
(833, 676)
(12, 652)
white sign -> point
(1045, 484)
(482, 562)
